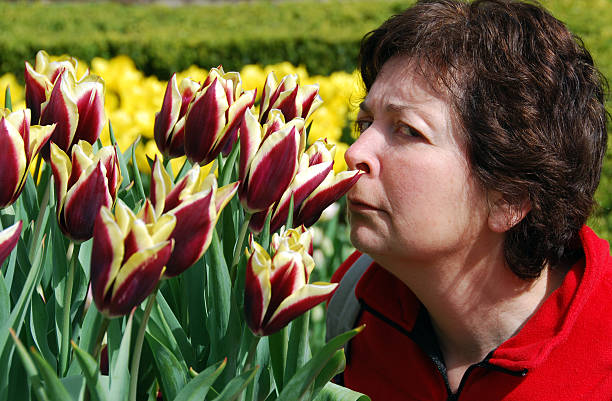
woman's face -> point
(418, 199)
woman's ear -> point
(503, 215)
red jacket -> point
(563, 352)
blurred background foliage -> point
(136, 46)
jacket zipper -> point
(484, 364)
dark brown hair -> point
(529, 101)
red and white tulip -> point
(276, 287)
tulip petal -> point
(195, 221)
(310, 100)
(257, 288)
(250, 140)
(90, 105)
(166, 119)
(235, 116)
(14, 159)
(36, 86)
(62, 169)
(83, 203)
(286, 277)
(297, 303)
(224, 195)
(137, 278)
(61, 109)
(39, 136)
(161, 185)
(8, 239)
(204, 121)
(286, 103)
(272, 169)
(303, 184)
(106, 255)
(330, 190)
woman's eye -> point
(362, 125)
(408, 130)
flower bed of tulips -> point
(215, 238)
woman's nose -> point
(361, 154)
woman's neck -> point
(475, 306)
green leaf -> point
(172, 375)
(29, 198)
(229, 166)
(17, 316)
(8, 103)
(5, 301)
(119, 370)
(91, 371)
(306, 375)
(198, 387)
(54, 388)
(137, 179)
(30, 368)
(278, 355)
(298, 349)
(335, 365)
(236, 386)
(177, 331)
(218, 296)
(38, 328)
(333, 392)
(195, 279)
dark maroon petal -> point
(258, 220)
(7, 244)
(313, 207)
(192, 235)
(56, 112)
(202, 124)
(83, 205)
(163, 119)
(102, 257)
(91, 114)
(139, 285)
(286, 316)
(288, 105)
(299, 194)
(9, 175)
(172, 199)
(283, 283)
(35, 96)
(307, 103)
(253, 300)
(270, 178)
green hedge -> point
(322, 36)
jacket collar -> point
(542, 333)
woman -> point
(482, 136)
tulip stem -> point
(241, 236)
(251, 353)
(100, 337)
(39, 219)
(73, 255)
(138, 346)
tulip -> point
(84, 185)
(196, 202)
(77, 109)
(128, 257)
(40, 78)
(169, 129)
(214, 116)
(19, 144)
(276, 289)
(315, 185)
(8, 240)
(268, 159)
(289, 97)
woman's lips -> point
(358, 205)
